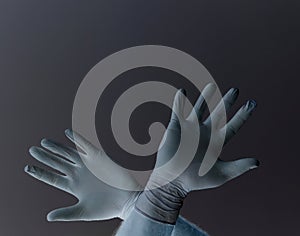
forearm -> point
(137, 224)
(185, 228)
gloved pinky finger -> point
(71, 213)
(48, 177)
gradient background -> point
(47, 47)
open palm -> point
(182, 133)
(96, 199)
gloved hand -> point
(96, 200)
(161, 201)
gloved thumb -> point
(233, 169)
(70, 213)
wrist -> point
(163, 203)
(129, 204)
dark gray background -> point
(46, 48)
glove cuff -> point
(161, 204)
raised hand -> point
(163, 199)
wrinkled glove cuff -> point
(161, 204)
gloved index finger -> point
(69, 153)
(80, 141)
(178, 106)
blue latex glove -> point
(162, 202)
(96, 200)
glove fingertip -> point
(44, 142)
(255, 164)
(51, 216)
(32, 150)
(248, 164)
(26, 168)
(183, 91)
(69, 133)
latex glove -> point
(163, 203)
(96, 200)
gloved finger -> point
(70, 213)
(233, 169)
(69, 153)
(227, 101)
(201, 103)
(237, 121)
(48, 177)
(178, 106)
(52, 160)
(80, 141)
